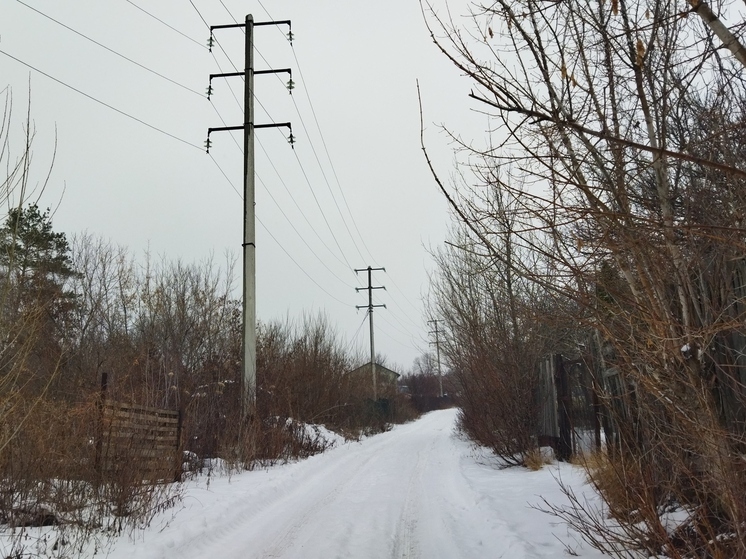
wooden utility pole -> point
(437, 351)
(370, 306)
(249, 216)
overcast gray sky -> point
(355, 191)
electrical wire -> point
(269, 192)
(140, 121)
(349, 266)
(279, 207)
(323, 142)
(292, 197)
(394, 315)
(334, 172)
(331, 163)
(111, 50)
(101, 102)
(321, 210)
(404, 332)
(356, 334)
(318, 161)
(278, 242)
(271, 162)
(300, 164)
(398, 341)
(226, 177)
(166, 24)
(280, 177)
(298, 265)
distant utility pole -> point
(370, 306)
(249, 224)
(437, 351)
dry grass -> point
(49, 477)
(618, 481)
(535, 459)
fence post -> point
(564, 445)
(100, 427)
(179, 454)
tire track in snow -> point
(251, 513)
(406, 545)
(368, 480)
(288, 535)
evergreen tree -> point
(31, 252)
(35, 263)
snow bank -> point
(416, 491)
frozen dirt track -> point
(418, 491)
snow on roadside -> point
(327, 438)
(417, 491)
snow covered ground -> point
(418, 491)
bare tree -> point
(619, 135)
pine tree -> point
(35, 264)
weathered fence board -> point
(139, 442)
(567, 406)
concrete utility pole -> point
(437, 351)
(249, 221)
(370, 306)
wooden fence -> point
(569, 414)
(139, 443)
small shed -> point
(385, 380)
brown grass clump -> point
(535, 459)
(619, 481)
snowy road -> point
(418, 491)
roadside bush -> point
(302, 373)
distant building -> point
(363, 381)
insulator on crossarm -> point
(209, 91)
(210, 42)
(291, 86)
(208, 143)
(291, 140)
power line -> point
(397, 340)
(302, 213)
(199, 14)
(299, 235)
(166, 24)
(339, 186)
(404, 332)
(405, 298)
(357, 333)
(310, 187)
(111, 50)
(300, 164)
(305, 174)
(318, 204)
(226, 177)
(313, 149)
(323, 142)
(331, 164)
(280, 208)
(102, 102)
(318, 161)
(301, 268)
(276, 241)
(197, 42)
(404, 326)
